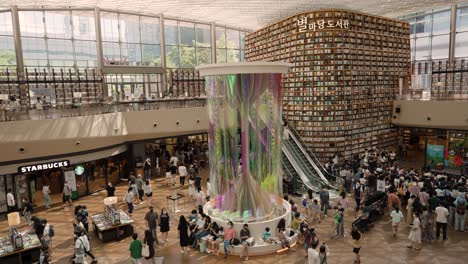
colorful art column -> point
(244, 108)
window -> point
(109, 26)
(187, 34)
(440, 47)
(31, 23)
(129, 28)
(423, 26)
(461, 45)
(462, 19)
(58, 24)
(422, 49)
(7, 44)
(441, 23)
(84, 27)
(203, 35)
(34, 52)
(150, 30)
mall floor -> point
(379, 244)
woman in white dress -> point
(415, 234)
(192, 190)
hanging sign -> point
(305, 25)
(44, 166)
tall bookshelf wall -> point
(346, 72)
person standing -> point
(357, 197)
(67, 194)
(27, 211)
(313, 256)
(324, 201)
(208, 189)
(441, 221)
(415, 233)
(46, 193)
(11, 203)
(87, 246)
(129, 198)
(183, 234)
(135, 249)
(47, 235)
(182, 174)
(148, 191)
(110, 189)
(460, 212)
(80, 250)
(164, 225)
(396, 216)
(139, 185)
(149, 241)
(152, 222)
(147, 168)
(357, 239)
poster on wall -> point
(435, 155)
(71, 179)
(452, 160)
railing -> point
(24, 113)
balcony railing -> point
(49, 112)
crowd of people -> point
(428, 203)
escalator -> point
(297, 162)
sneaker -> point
(182, 252)
(246, 258)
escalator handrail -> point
(311, 153)
(307, 182)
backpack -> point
(304, 202)
(461, 208)
(51, 231)
(235, 241)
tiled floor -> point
(379, 245)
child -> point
(266, 236)
(316, 214)
(284, 240)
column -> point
(100, 57)
(24, 92)
(162, 38)
(453, 32)
(213, 42)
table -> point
(174, 201)
(104, 229)
(30, 253)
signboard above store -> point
(44, 166)
(305, 25)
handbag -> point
(145, 251)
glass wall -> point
(430, 34)
(65, 39)
(229, 45)
(7, 44)
(130, 39)
(187, 44)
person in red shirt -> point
(229, 235)
(393, 200)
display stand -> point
(106, 231)
(174, 198)
(30, 252)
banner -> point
(434, 155)
(71, 180)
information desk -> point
(30, 253)
(104, 229)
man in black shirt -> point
(244, 235)
(110, 189)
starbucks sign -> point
(79, 170)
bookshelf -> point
(347, 65)
(57, 85)
(186, 81)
